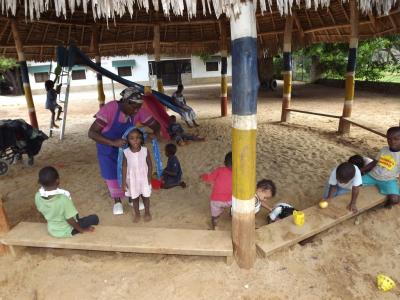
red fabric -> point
(221, 179)
(157, 111)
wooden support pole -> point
(344, 126)
(95, 48)
(24, 74)
(245, 86)
(287, 69)
(224, 67)
(4, 227)
(157, 56)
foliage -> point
(7, 64)
(375, 58)
(205, 56)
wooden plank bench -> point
(284, 233)
(127, 239)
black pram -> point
(16, 138)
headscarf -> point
(131, 95)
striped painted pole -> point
(245, 86)
(344, 127)
(224, 68)
(287, 69)
(157, 55)
(95, 45)
(24, 74)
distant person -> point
(172, 174)
(187, 112)
(176, 132)
(384, 170)
(58, 209)
(51, 102)
(221, 195)
(136, 174)
(344, 178)
(112, 120)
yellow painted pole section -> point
(160, 85)
(4, 227)
(244, 163)
(147, 90)
(287, 94)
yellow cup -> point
(298, 217)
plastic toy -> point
(298, 217)
(323, 204)
(385, 283)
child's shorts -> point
(389, 187)
(217, 207)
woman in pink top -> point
(221, 196)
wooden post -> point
(224, 67)
(24, 74)
(287, 69)
(95, 47)
(344, 127)
(4, 227)
(245, 86)
(157, 55)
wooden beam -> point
(351, 121)
(4, 29)
(334, 27)
(4, 226)
(298, 24)
(393, 22)
(313, 113)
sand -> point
(340, 264)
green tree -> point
(375, 58)
(9, 73)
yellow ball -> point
(323, 204)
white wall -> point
(140, 72)
(199, 68)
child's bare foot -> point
(147, 218)
(136, 219)
(183, 184)
(181, 143)
(54, 126)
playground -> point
(298, 156)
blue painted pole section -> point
(245, 81)
(287, 61)
(352, 58)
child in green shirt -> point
(58, 209)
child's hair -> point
(228, 160)
(170, 149)
(266, 184)
(48, 176)
(393, 130)
(180, 86)
(172, 118)
(140, 134)
(49, 84)
(357, 160)
(345, 172)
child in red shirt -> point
(221, 196)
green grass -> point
(390, 77)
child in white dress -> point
(136, 174)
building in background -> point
(137, 68)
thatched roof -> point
(125, 30)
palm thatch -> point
(125, 28)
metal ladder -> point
(64, 80)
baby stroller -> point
(16, 138)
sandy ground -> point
(340, 264)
